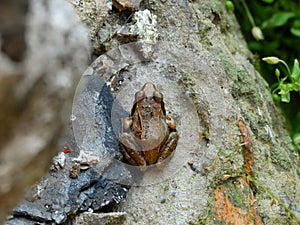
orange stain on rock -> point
(227, 212)
(235, 203)
(247, 148)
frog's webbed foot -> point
(169, 146)
(131, 150)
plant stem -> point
(275, 197)
(286, 66)
(249, 15)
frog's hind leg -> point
(127, 156)
(169, 147)
(131, 151)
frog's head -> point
(148, 96)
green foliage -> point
(279, 22)
(278, 19)
(296, 139)
(295, 29)
(290, 82)
(268, 1)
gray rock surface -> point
(37, 83)
(93, 186)
(197, 58)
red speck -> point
(71, 217)
(67, 150)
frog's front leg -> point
(131, 150)
(171, 123)
(168, 147)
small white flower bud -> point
(271, 60)
(257, 33)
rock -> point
(92, 13)
(22, 221)
(89, 218)
(36, 89)
(131, 5)
(88, 179)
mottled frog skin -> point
(148, 136)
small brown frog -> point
(148, 136)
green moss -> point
(215, 6)
(252, 119)
(236, 196)
(280, 158)
(239, 78)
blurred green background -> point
(279, 21)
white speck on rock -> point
(145, 25)
(270, 133)
(86, 160)
(58, 161)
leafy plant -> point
(279, 24)
(290, 82)
(296, 140)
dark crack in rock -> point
(104, 105)
(61, 197)
(58, 198)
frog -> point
(148, 136)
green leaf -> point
(278, 19)
(297, 85)
(296, 139)
(295, 29)
(295, 76)
(276, 97)
(285, 93)
(267, 1)
(285, 97)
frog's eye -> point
(158, 97)
(139, 96)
